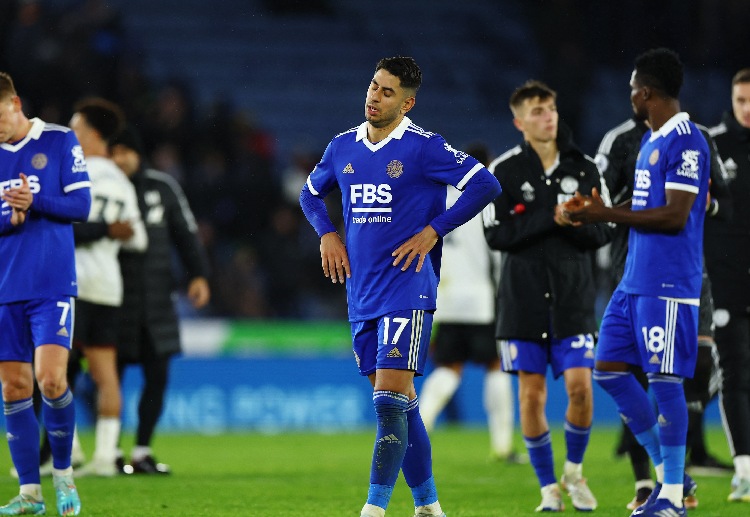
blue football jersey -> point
(390, 191)
(38, 256)
(669, 264)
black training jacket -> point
(727, 243)
(148, 278)
(547, 272)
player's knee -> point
(51, 385)
(579, 394)
(17, 389)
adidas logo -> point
(391, 438)
(668, 512)
(663, 422)
(394, 353)
(589, 354)
(62, 332)
(348, 169)
(654, 360)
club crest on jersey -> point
(528, 192)
(460, 155)
(569, 184)
(654, 157)
(730, 168)
(348, 169)
(394, 169)
(39, 161)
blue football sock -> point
(673, 423)
(635, 408)
(576, 441)
(540, 455)
(390, 445)
(59, 418)
(417, 466)
(22, 429)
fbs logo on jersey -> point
(394, 353)
(348, 169)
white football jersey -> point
(466, 293)
(113, 198)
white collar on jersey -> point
(397, 133)
(669, 125)
(37, 127)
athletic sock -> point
(107, 434)
(59, 418)
(673, 421)
(437, 390)
(390, 445)
(540, 455)
(576, 441)
(634, 407)
(498, 404)
(417, 465)
(22, 430)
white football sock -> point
(498, 403)
(437, 390)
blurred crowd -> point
(244, 196)
(265, 264)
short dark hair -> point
(661, 69)
(104, 116)
(743, 76)
(405, 68)
(531, 89)
(7, 89)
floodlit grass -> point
(327, 475)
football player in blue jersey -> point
(45, 187)
(651, 320)
(393, 178)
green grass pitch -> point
(323, 475)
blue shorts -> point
(658, 334)
(534, 356)
(29, 324)
(398, 341)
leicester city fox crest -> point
(39, 161)
(394, 169)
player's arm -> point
(479, 189)
(131, 216)
(671, 217)
(719, 204)
(333, 255)
(184, 233)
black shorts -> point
(459, 343)
(95, 325)
(706, 312)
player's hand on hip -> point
(418, 245)
(334, 259)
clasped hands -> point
(19, 199)
(580, 209)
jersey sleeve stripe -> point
(76, 186)
(312, 189)
(469, 175)
(673, 185)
